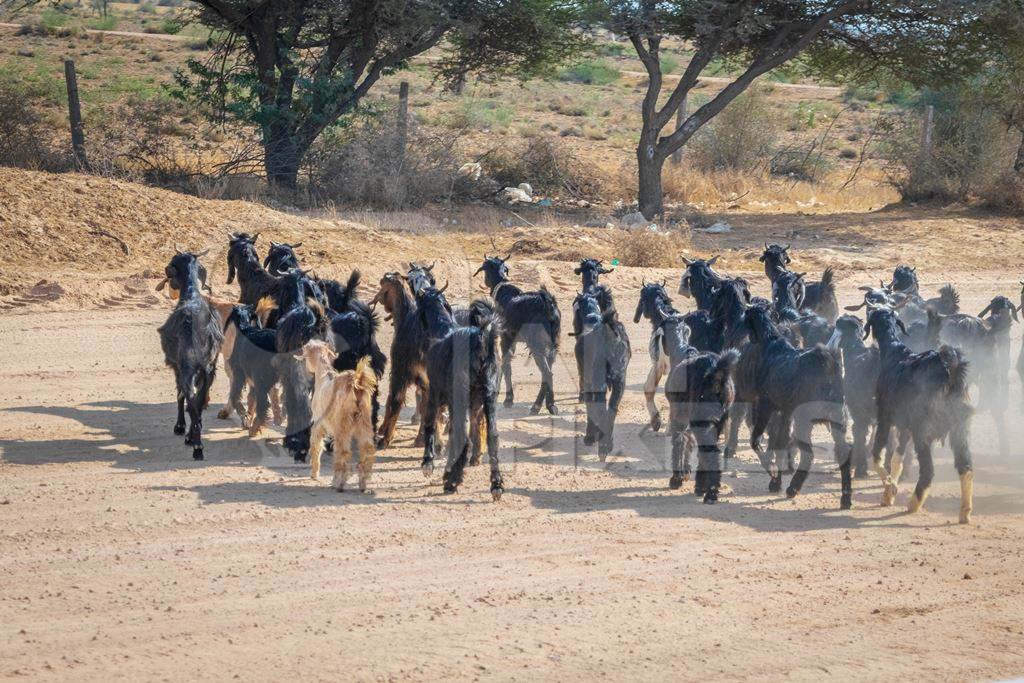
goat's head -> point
(758, 321)
(591, 269)
(435, 312)
(184, 272)
(850, 327)
(1000, 310)
(318, 355)
(293, 290)
(420, 277)
(391, 293)
(874, 296)
(775, 258)
(653, 299)
(495, 270)
(788, 291)
(699, 273)
(241, 249)
(281, 257)
(884, 324)
(586, 313)
(904, 280)
(675, 326)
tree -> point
(758, 36)
(295, 67)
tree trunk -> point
(649, 163)
(1018, 163)
(282, 155)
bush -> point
(971, 155)
(544, 162)
(740, 138)
(592, 72)
(477, 114)
(107, 23)
(147, 8)
(360, 164)
(646, 248)
(27, 138)
(669, 64)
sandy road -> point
(121, 558)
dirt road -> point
(122, 558)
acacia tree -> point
(295, 67)
(759, 36)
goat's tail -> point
(828, 283)
(554, 317)
(365, 379)
(956, 370)
(726, 364)
(950, 299)
(265, 307)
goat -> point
(250, 364)
(727, 309)
(654, 304)
(529, 317)
(904, 281)
(700, 395)
(921, 395)
(342, 408)
(923, 335)
(408, 352)
(602, 353)
(985, 342)
(819, 297)
(799, 387)
(700, 281)
(254, 281)
(191, 339)
(419, 277)
(299, 323)
(861, 365)
(462, 367)
(281, 258)
(591, 270)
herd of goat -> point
(303, 349)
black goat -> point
(799, 387)
(904, 281)
(861, 365)
(299, 322)
(529, 317)
(985, 342)
(420, 277)
(281, 258)
(728, 306)
(591, 270)
(602, 356)
(251, 366)
(408, 352)
(700, 395)
(462, 366)
(190, 340)
(819, 297)
(700, 281)
(254, 281)
(921, 395)
(923, 335)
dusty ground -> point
(123, 558)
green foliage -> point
(53, 18)
(741, 138)
(170, 26)
(146, 8)
(590, 72)
(107, 23)
(474, 114)
(669, 63)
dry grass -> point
(646, 248)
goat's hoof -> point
(553, 409)
(729, 453)
(508, 402)
(965, 517)
(428, 468)
(534, 410)
(496, 494)
(889, 495)
(450, 488)
(589, 439)
(224, 413)
(774, 484)
(676, 482)
(197, 453)
(382, 443)
(861, 472)
(846, 501)
(791, 492)
(474, 461)
(299, 457)
(419, 442)
(711, 497)
(179, 430)
(656, 422)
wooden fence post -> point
(681, 113)
(75, 117)
(403, 120)
(928, 133)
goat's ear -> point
(856, 308)
(903, 328)
(577, 270)
(163, 283)
(255, 237)
(985, 312)
(713, 260)
(867, 329)
(639, 311)
(761, 259)
(478, 271)
(605, 271)
(688, 262)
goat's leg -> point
(396, 397)
(650, 391)
(429, 427)
(844, 454)
(736, 415)
(477, 434)
(275, 404)
(926, 471)
(316, 441)
(225, 411)
(896, 458)
(179, 424)
(549, 382)
(235, 389)
(417, 414)
(960, 442)
(680, 472)
(367, 456)
(778, 446)
(508, 346)
(546, 393)
(195, 429)
(882, 432)
(491, 420)
(709, 462)
(762, 414)
(259, 417)
(342, 463)
(618, 387)
(802, 436)
(424, 388)
(860, 447)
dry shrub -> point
(741, 138)
(1006, 193)
(546, 163)
(362, 165)
(647, 248)
(28, 138)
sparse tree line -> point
(296, 70)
